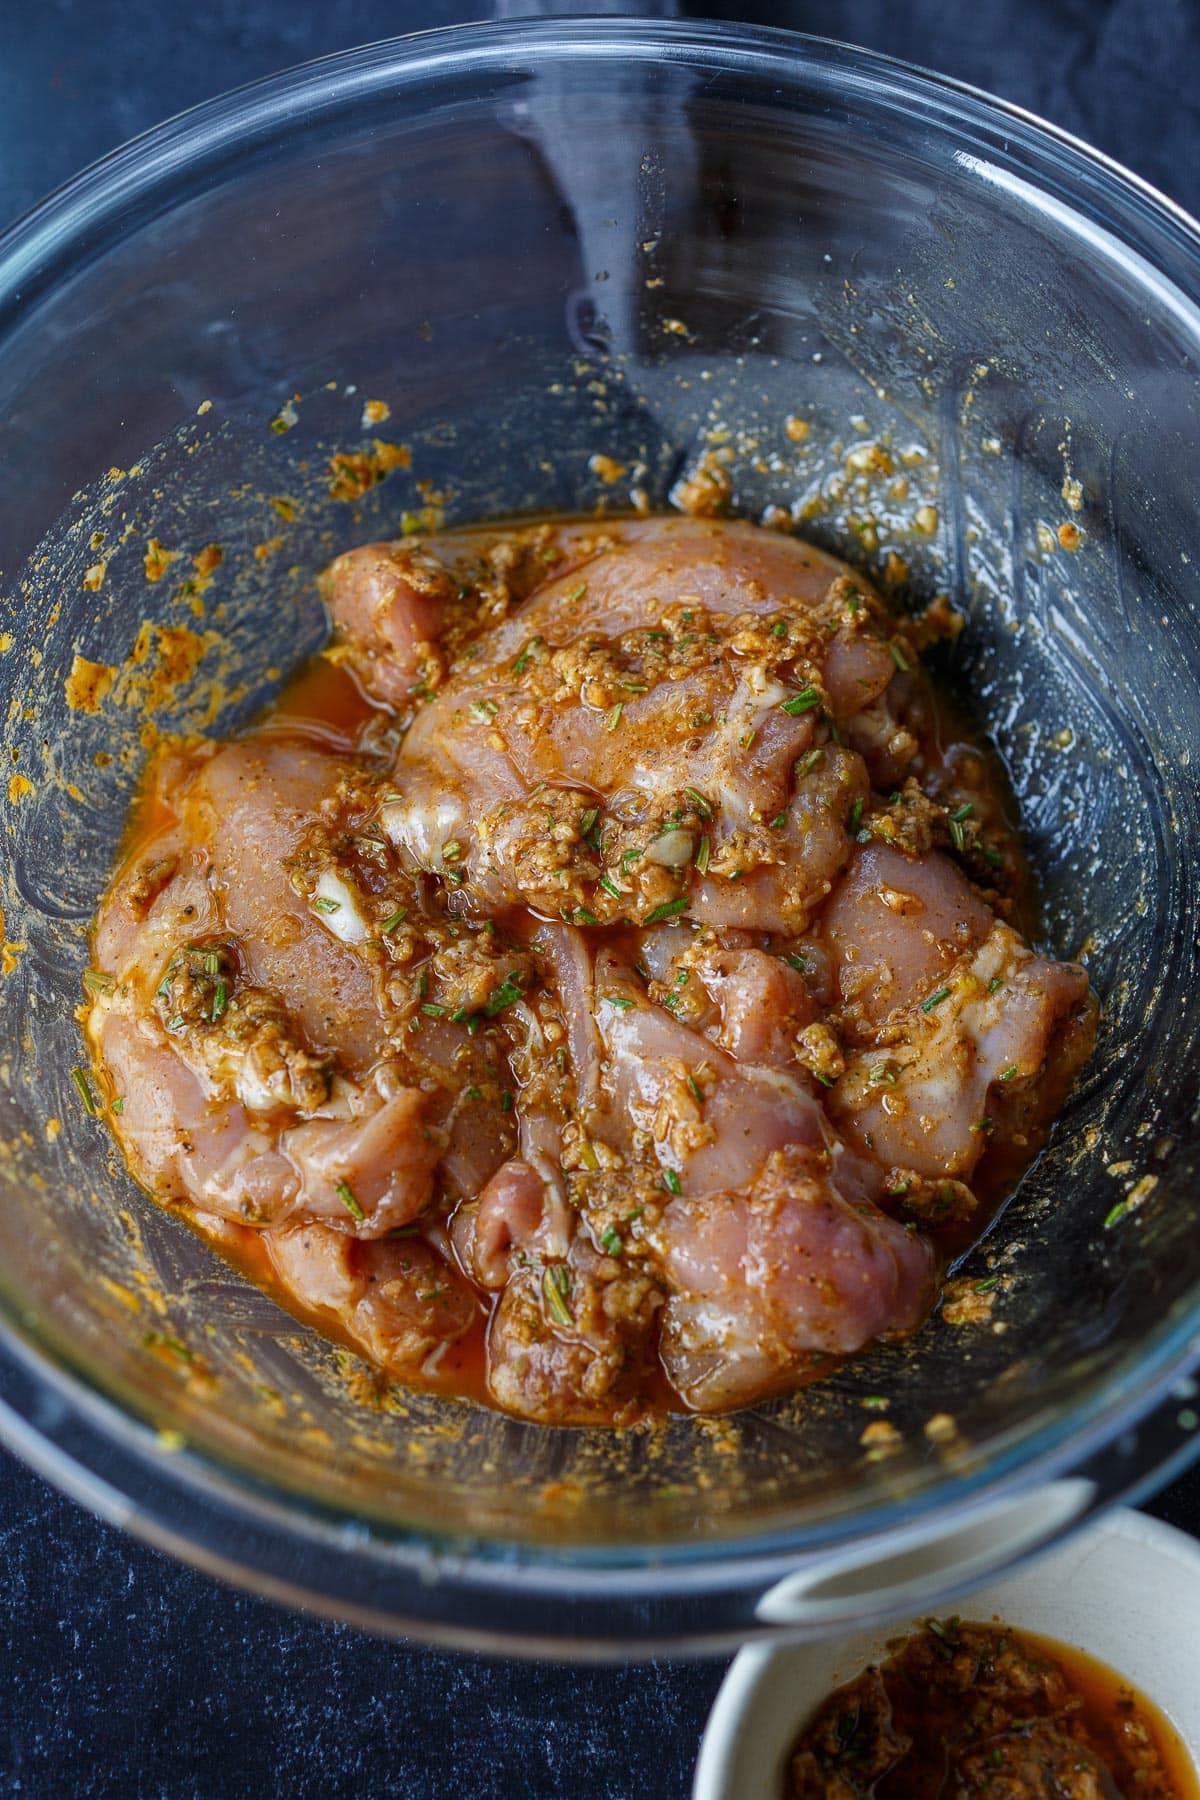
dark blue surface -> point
(121, 1673)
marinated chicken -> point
(961, 1710)
(597, 985)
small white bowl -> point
(1126, 1590)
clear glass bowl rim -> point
(69, 223)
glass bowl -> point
(539, 245)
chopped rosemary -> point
(611, 1241)
(799, 963)
(587, 819)
(220, 1001)
(583, 915)
(697, 1090)
(963, 812)
(670, 909)
(506, 1101)
(995, 984)
(522, 662)
(617, 1000)
(472, 1093)
(579, 592)
(484, 710)
(97, 982)
(901, 661)
(556, 1289)
(86, 1096)
(779, 821)
(855, 819)
(118, 1105)
(672, 1182)
(587, 1155)
(779, 628)
(614, 717)
(345, 1194)
(935, 999)
(1007, 1074)
(802, 702)
(432, 1010)
(808, 762)
(704, 807)
(987, 1284)
(324, 904)
(883, 1075)
(703, 853)
(396, 918)
(508, 991)
(610, 886)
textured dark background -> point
(120, 1673)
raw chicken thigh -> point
(601, 959)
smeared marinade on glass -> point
(596, 986)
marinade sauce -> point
(962, 1709)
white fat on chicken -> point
(339, 909)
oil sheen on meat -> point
(597, 985)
